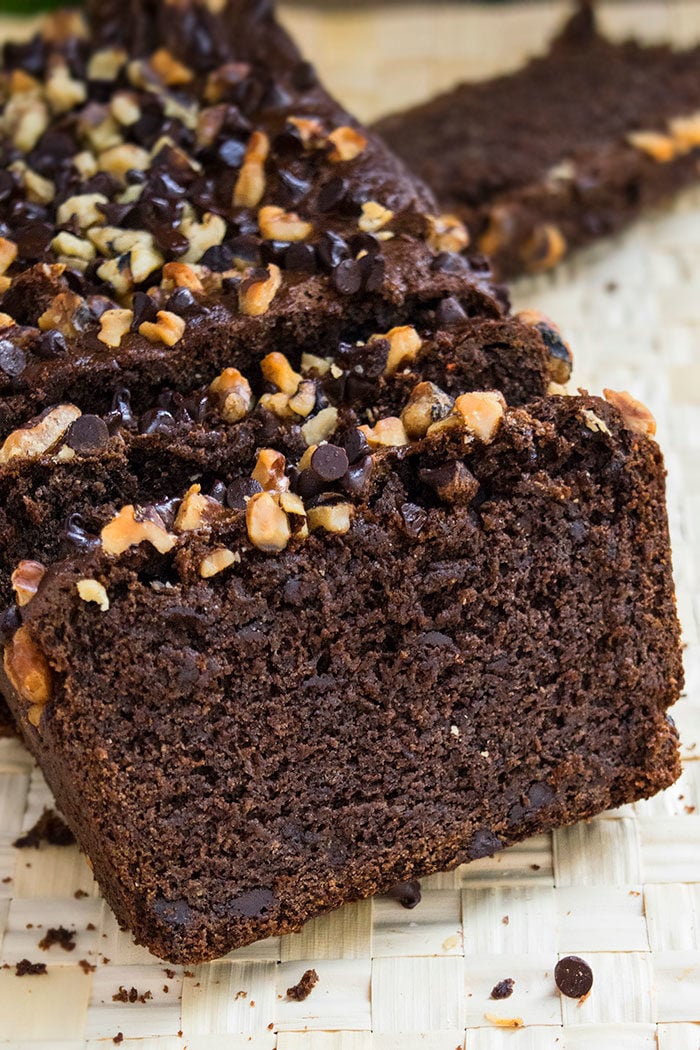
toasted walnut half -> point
(255, 294)
(129, 530)
(347, 143)
(38, 436)
(635, 414)
(250, 185)
(447, 233)
(276, 224)
(233, 395)
(267, 524)
(28, 670)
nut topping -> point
(276, 224)
(447, 233)
(114, 325)
(404, 346)
(269, 471)
(347, 144)
(38, 436)
(169, 328)
(427, 405)
(277, 370)
(127, 530)
(267, 524)
(544, 249)
(93, 591)
(218, 560)
(482, 413)
(635, 415)
(167, 68)
(320, 427)
(233, 395)
(255, 294)
(29, 672)
(374, 217)
(26, 579)
(196, 511)
(250, 185)
(654, 144)
(8, 254)
(60, 313)
(334, 517)
(389, 433)
(180, 275)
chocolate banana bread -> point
(382, 659)
(571, 148)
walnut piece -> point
(202, 236)
(114, 325)
(250, 185)
(374, 217)
(320, 427)
(60, 312)
(255, 295)
(277, 370)
(347, 143)
(447, 233)
(26, 579)
(654, 144)
(304, 401)
(335, 517)
(404, 346)
(127, 530)
(196, 511)
(269, 471)
(685, 132)
(267, 524)
(38, 436)
(386, 433)
(93, 591)
(233, 395)
(28, 670)
(8, 254)
(181, 275)
(635, 415)
(427, 405)
(169, 328)
(82, 209)
(482, 413)
(276, 224)
(118, 160)
(216, 561)
(544, 249)
(167, 68)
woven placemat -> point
(623, 890)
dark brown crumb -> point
(505, 920)
(301, 991)
(166, 989)
(25, 968)
(241, 995)
(91, 926)
(122, 996)
(119, 1038)
(49, 828)
(408, 894)
(170, 974)
(8, 878)
(79, 894)
(86, 967)
(503, 990)
(58, 935)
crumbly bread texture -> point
(568, 149)
(252, 714)
(180, 199)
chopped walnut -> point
(278, 404)
(8, 254)
(99, 127)
(114, 325)
(250, 185)
(267, 524)
(72, 247)
(335, 517)
(28, 670)
(118, 160)
(276, 224)
(482, 413)
(635, 415)
(499, 231)
(37, 437)
(404, 346)
(594, 423)
(388, 432)
(117, 273)
(277, 370)
(255, 295)
(374, 217)
(93, 591)
(63, 91)
(233, 395)
(6, 321)
(216, 561)
(312, 363)
(169, 328)
(196, 511)
(347, 143)
(427, 405)
(304, 401)
(106, 64)
(270, 470)
(125, 108)
(25, 119)
(320, 427)
(310, 131)
(544, 249)
(82, 209)
(685, 132)
(203, 235)
(26, 579)
(129, 530)
(654, 144)
(37, 189)
(169, 70)
(447, 233)
(180, 275)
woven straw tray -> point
(623, 890)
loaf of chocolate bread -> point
(570, 148)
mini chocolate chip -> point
(504, 989)
(182, 302)
(308, 484)
(330, 462)
(154, 420)
(331, 194)
(246, 248)
(121, 403)
(448, 262)
(218, 258)
(408, 894)
(13, 359)
(33, 240)
(357, 477)
(292, 188)
(218, 491)
(450, 313)
(144, 308)
(355, 445)
(301, 258)
(73, 530)
(332, 250)
(87, 432)
(7, 185)
(347, 277)
(239, 492)
(373, 269)
(451, 482)
(573, 976)
(414, 518)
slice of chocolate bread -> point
(401, 654)
(571, 148)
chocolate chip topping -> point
(573, 977)
(87, 433)
(347, 277)
(329, 462)
(239, 492)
